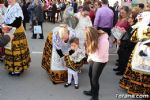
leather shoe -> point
(117, 64)
(116, 69)
(67, 84)
(41, 38)
(76, 86)
(88, 93)
(119, 73)
(95, 98)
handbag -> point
(37, 29)
(9, 45)
(128, 34)
(117, 32)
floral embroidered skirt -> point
(18, 58)
(135, 82)
(56, 76)
(72, 65)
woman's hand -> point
(5, 28)
(118, 42)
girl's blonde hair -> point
(63, 30)
(92, 36)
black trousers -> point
(123, 56)
(107, 30)
(52, 18)
(95, 71)
(124, 52)
(35, 35)
(44, 14)
(24, 24)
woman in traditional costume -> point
(17, 59)
(57, 44)
(135, 81)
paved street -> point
(35, 85)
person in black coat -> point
(54, 10)
(126, 47)
(75, 6)
(25, 13)
(38, 19)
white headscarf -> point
(145, 19)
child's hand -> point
(71, 52)
(66, 54)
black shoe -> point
(11, 73)
(54, 83)
(119, 73)
(41, 38)
(95, 98)
(17, 74)
(76, 86)
(117, 64)
(33, 38)
(116, 69)
(67, 84)
(88, 93)
(117, 60)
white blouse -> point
(13, 12)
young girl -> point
(97, 46)
(74, 61)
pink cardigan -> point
(102, 52)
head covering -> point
(145, 19)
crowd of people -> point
(83, 37)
